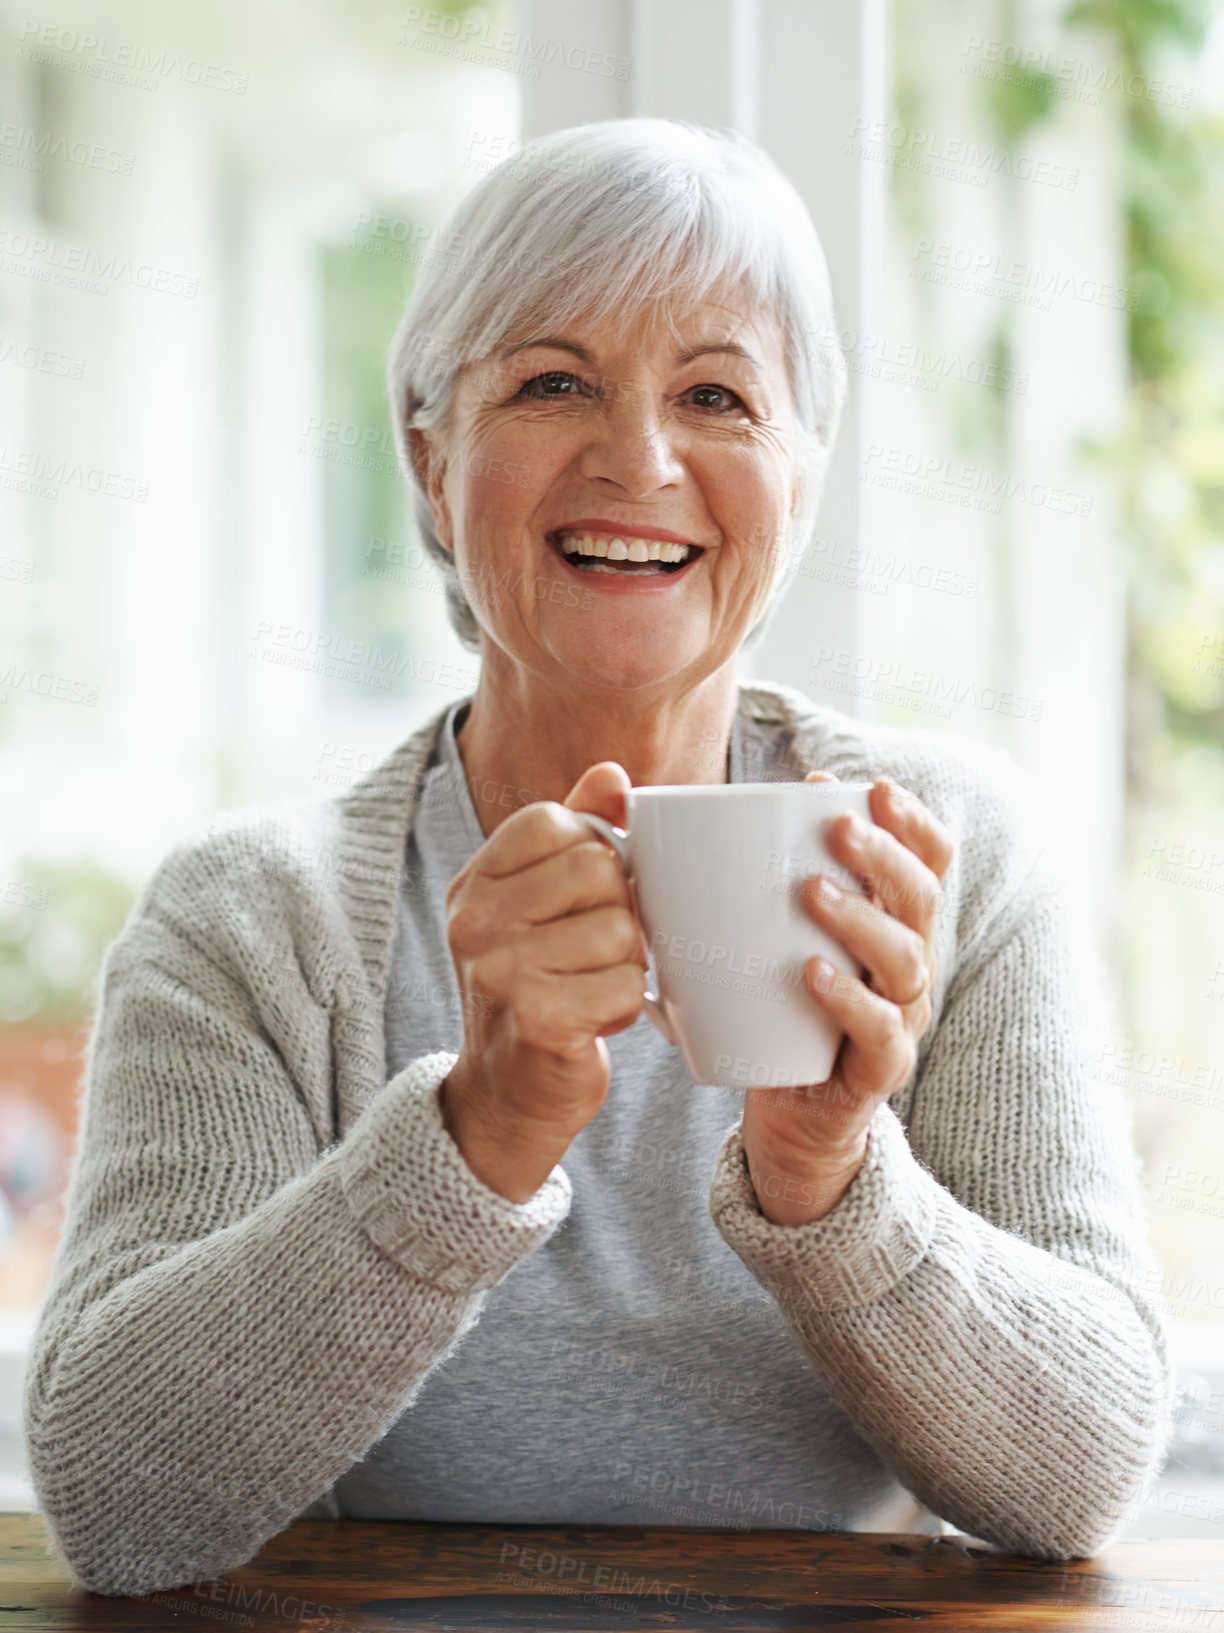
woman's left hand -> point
(804, 1145)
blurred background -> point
(211, 594)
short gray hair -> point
(598, 221)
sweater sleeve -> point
(982, 1299)
(235, 1317)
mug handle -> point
(618, 838)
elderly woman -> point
(390, 1203)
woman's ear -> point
(430, 468)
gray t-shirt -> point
(631, 1369)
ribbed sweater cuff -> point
(876, 1234)
(416, 1198)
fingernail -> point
(827, 890)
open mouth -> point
(609, 553)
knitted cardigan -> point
(268, 1247)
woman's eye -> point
(541, 385)
(561, 383)
(729, 399)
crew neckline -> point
(450, 761)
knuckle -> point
(487, 974)
(907, 1057)
(616, 937)
(914, 962)
(538, 1007)
(599, 933)
(598, 870)
(534, 1027)
(629, 941)
(631, 981)
(547, 819)
(463, 927)
(891, 1032)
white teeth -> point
(618, 549)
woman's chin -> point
(601, 661)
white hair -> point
(598, 221)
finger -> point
(535, 832)
(561, 1014)
(598, 939)
(584, 875)
(917, 828)
(541, 831)
(603, 788)
(906, 887)
(879, 1050)
(894, 955)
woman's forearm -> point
(1019, 1396)
(182, 1417)
(980, 1300)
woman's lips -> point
(618, 579)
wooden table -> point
(346, 1576)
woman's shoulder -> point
(314, 843)
(954, 770)
(247, 896)
(303, 883)
(253, 848)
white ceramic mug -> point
(715, 871)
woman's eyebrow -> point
(730, 346)
(548, 340)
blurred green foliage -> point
(364, 286)
(1020, 100)
(56, 921)
(1170, 459)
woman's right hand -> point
(550, 960)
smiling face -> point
(639, 432)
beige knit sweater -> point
(268, 1247)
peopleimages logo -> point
(914, 363)
(102, 57)
(954, 158)
(1030, 283)
(466, 37)
(566, 1573)
(893, 680)
(25, 470)
(959, 482)
(25, 146)
(1072, 78)
(48, 261)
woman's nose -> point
(633, 447)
